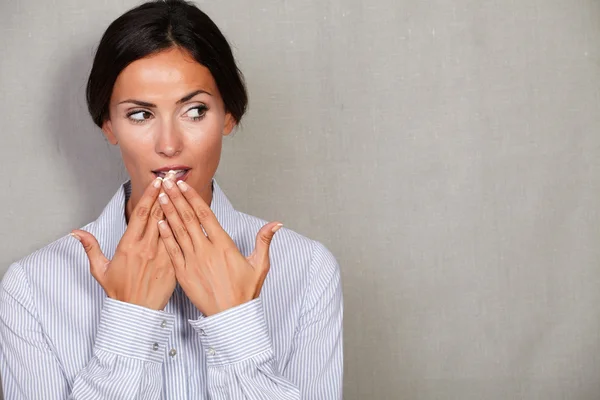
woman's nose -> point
(169, 142)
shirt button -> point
(155, 346)
(173, 352)
(202, 333)
(163, 324)
(211, 351)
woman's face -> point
(166, 112)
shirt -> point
(63, 338)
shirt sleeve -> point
(127, 358)
(240, 359)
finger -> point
(141, 212)
(98, 261)
(263, 241)
(177, 227)
(173, 248)
(260, 255)
(207, 218)
(151, 233)
(185, 212)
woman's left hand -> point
(210, 268)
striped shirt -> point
(63, 338)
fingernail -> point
(160, 223)
(276, 228)
(182, 185)
(157, 182)
(168, 183)
(163, 199)
(76, 236)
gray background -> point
(445, 151)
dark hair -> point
(155, 26)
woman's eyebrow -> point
(139, 103)
(191, 95)
(150, 105)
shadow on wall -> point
(91, 162)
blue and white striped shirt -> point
(63, 338)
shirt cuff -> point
(134, 331)
(234, 335)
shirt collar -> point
(111, 223)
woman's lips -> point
(181, 176)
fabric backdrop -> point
(446, 151)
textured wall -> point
(446, 151)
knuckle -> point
(157, 213)
(166, 233)
(174, 250)
(181, 231)
(142, 211)
(123, 249)
(148, 254)
(118, 253)
(188, 216)
(265, 239)
(231, 252)
(87, 247)
(202, 213)
(130, 247)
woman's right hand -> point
(141, 271)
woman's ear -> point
(108, 132)
(229, 124)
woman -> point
(171, 293)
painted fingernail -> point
(182, 185)
(168, 183)
(76, 236)
(276, 228)
(163, 198)
(157, 182)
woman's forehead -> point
(169, 73)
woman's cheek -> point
(207, 127)
(145, 132)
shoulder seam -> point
(311, 274)
(29, 291)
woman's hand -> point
(209, 267)
(141, 271)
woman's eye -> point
(196, 113)
(139, 116)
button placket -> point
(175, 363)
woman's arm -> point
(124, 365)
(240, 359)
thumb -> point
(263, 240)
(97, 259)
